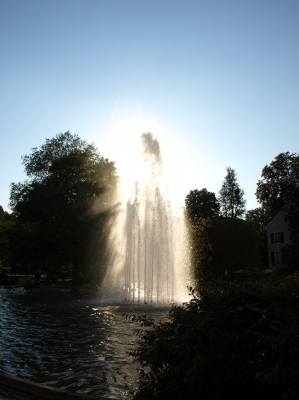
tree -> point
(222, 244)
(259, 218)
(231, 196)
(63, 209)
(38, 163)
(201, 204)
(279, 185)
(7, 225)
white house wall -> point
(278, 224)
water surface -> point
(70, 341)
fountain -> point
(147, 240)
(79, 342)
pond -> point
(71, 341)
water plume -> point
(147, 238)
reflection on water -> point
(70, 341)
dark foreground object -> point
(22, 389)
(7, 392)
(234, 340)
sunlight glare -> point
(122, 144)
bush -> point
(234, 340)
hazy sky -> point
(217, 81)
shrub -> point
(234, 340)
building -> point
(278, 235)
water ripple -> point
(69, 341)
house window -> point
(277, 237)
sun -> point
(122, 144)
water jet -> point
(147, 240)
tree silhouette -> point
(64, 208)
(201, 204)
(231, 196)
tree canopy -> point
(64, 208)
(38, 162)
(201, 204)
(279, 185)
(231, 196)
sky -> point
(216, 81)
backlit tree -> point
(231, 196)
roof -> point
(273, 219)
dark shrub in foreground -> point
(236, 340)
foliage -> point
(63, 210)
(217, 245)
(290, 258)
(280, 183)
(231, 341)
(201, 204)
(259, 218)
(38, 163)
(7, 225)
(231, 196)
